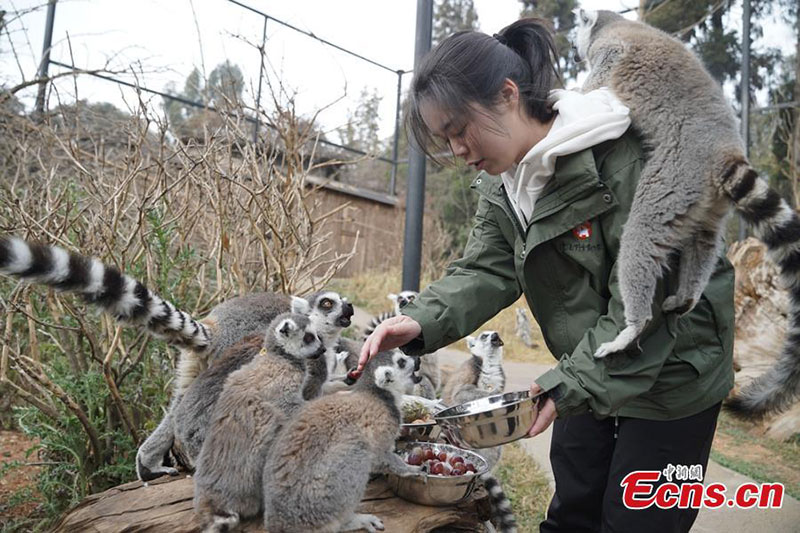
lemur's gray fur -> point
(253, 405)
(329, 314)
(317, 470)
(479, 376)
(430, 372)
(696, 170)
(200, 341)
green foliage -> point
(451, 16)
(560, 14)
(361, 131)
(450, 195)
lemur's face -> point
(395, 371)
(403, 299)
(488, 346)
(327, 310)
(296, 335)
(585, 22)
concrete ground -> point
(723, 520)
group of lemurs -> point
(259, 407)
(255, 408)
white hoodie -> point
(583, 120)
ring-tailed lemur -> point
(430, 372)
(129, 301)
(400, 301)
(251, 409)
(317, 470)
(696, 170)
(480, 376)
(328, 312)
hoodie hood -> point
(582, 121)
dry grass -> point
(369, 292)
(526, 486)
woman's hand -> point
(390, 333)
(547, 413)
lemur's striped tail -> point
(501, 506)
(376, 320)
(125, 298)
(777, 225)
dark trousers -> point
(591, 457)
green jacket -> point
(564, 264)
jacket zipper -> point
(507, 209)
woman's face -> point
(486, 139)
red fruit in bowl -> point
(458, 470)
(414, 459)
(442, 456)
(437, 469)
(428, 454)
(470, 467)
(455, 459)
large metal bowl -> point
(489, 421)
(428, 489)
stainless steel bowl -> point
(428, 489)
(428, 431)
(489, 421)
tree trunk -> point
(166, 505)
(761, 306)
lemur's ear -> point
(392, 296)
(286, 326)
(300, 306)
(471, 342)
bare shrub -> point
(197, 221)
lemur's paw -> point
(673, 304)
(623, 340)
(369, 522)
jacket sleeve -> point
(581, 383)
(473, 289)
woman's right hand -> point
(390, 333)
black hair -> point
(470, 68)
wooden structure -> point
(376, 218)
(166, 505)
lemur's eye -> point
(401, 363)
(584, 18)
(326, 303)
(308, 338)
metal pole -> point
(44, 66)
(745, 95)
(260, 78)
(393, 181)
(415, 195)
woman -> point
(558, 174)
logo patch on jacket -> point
(583, 231)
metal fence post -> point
(745, 95)
(260, 79)
(393, 181)
(44, 66)
(415, 195)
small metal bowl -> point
(489, 421)
(429, 489)
(427, 431)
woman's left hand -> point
(547, 413)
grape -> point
(414, 459)
(437, 469)
(428, 454)
(442, 456)
(470, 467)
(455, 459)
(458, 470)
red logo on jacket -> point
(583, 231)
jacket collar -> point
(574, 175)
